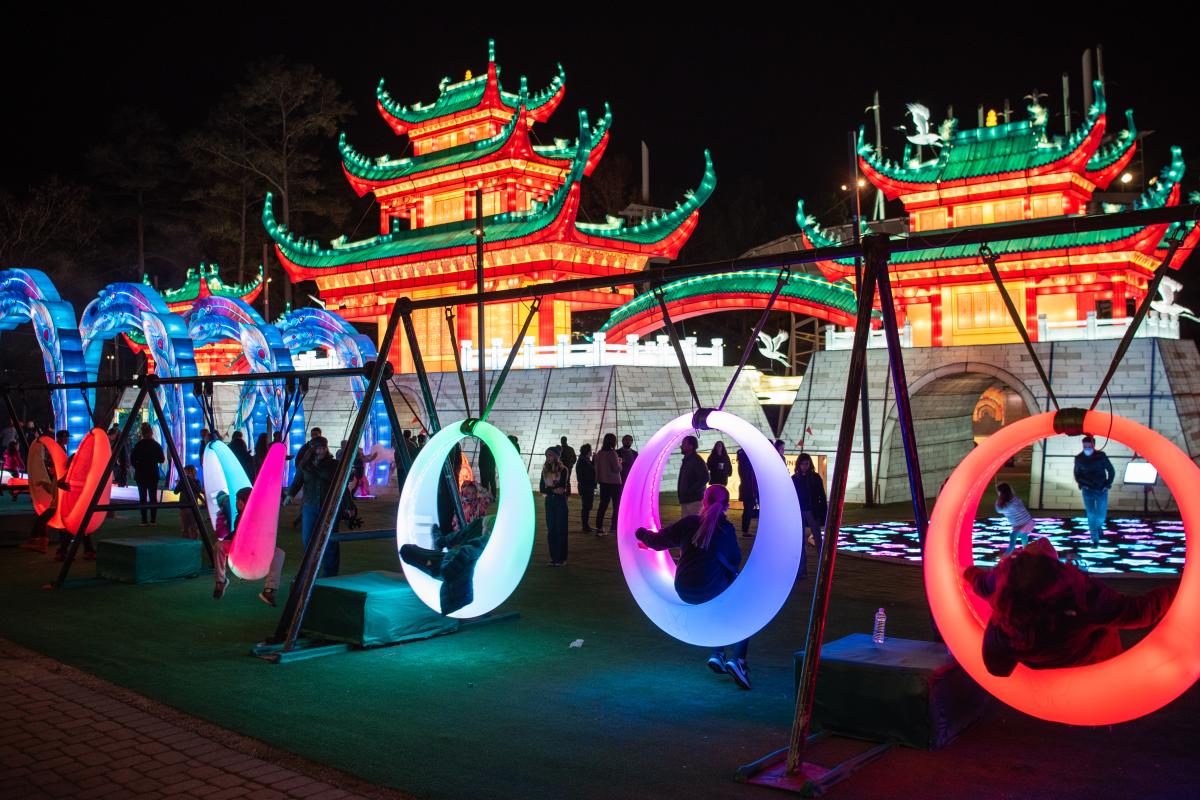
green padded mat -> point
(370, 609)
(147, 559)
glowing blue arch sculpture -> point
(28, 295)
(215, 319)
(311, 328)
(124, 307)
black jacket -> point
(719, 469)
(700, 574)
(810, 491)
(147, 455)
(585, 473)
(1094, 471)
(693, 479)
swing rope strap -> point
(990, 258)
(784, 275)
(512, 356)
(1144, 308)
(462, 381)
(683, 365)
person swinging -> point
(452, 560)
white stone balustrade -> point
(598, 353)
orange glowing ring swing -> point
(1137, 682)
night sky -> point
(772, 97)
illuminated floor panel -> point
(1129, 545)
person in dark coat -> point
(487, 469)
(747, 490)
(262, 445)
(556, 485)
(237, 446)
(608, 475)
(1094, 474)
(146, 457)
(314, 477)
(719, 465)
(585, 477)
(810, 491)
(693, 477)
(707, 566)
(1049, 615)
(452, 561)
(627, 455)
(566, 454)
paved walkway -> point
(64, 733)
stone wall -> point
(1158, 384)
(540, 405)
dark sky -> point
(773, 97)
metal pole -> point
(302, 587)
(833, 521)
(397, 432)
(95, 500)
(449, 476)
(864, 393)
(877, 251)
(481, 344)
(204, 525)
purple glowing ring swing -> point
(769, 572)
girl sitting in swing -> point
(707, 566)
(1047, 614)
(452, 560)
(224, 543)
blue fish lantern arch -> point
(262, 404)
(307, 329)
(29, 296)
(135, 307)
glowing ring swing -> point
(1138, 681)
(769, 572)
(504, 559)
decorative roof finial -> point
(491, 50)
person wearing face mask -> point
(1094, 475)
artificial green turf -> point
(510, 710)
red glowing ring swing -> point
(1137, 682)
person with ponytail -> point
(707, 566)
(1047, 614)
(556, 485)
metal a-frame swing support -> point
(146, 388)
(786, 768)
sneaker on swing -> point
(268, 597)
(219, 589)
(716, 662)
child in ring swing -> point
(224, 544)
(1047, 614)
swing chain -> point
(990, 258)
(1173, 244)
(785, 275)
(674, 336)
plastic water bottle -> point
(880, 627)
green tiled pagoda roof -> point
(997, 150)
(386, 168)
(209, 274)
(813, 289)
(656, 229)
(500, 227)
(1112, 152)
(465, 95)
(309, 253)
(1157, 196)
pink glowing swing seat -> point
(253, 547)
(1137, 682)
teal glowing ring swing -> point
(504, 559)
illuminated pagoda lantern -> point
(1008, 172)
(217, 358)
(476, 138)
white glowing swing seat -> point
(502, 564)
